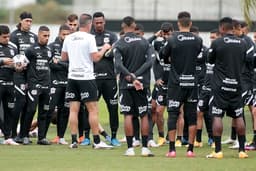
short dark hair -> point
(236, 23)
(84, 19)
(214, 31)
(64, 27)
(72, 17)
(43, 28)
(167, 26)
(98, 14)
(243, 24)
(25, 15)
(184, 18)
(128, 21)
(140, 27)
(4, 29)
(226, 23)
(194, 29)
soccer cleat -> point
(102, 145)
(86, 141)
(161, 141)
(108, 139)
(251, 146)
(115, 142)
(184, 141)
(129, 152)
(198, 144)
(171, 154)
(215, 155)
(73, 145)
(17, 139)
(210, 141)
(26, 141)
(178, 143)
(10, 141)
(228, 141)
(136, 143)
(235, 145)
(145, 152)
(43, 141)
(190, 154)
(62, 141)
(123, 140)
(80, 139)
(55, 140)
(152, 143)
(242, 155)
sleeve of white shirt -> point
(92, 45)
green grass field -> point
(61, 158)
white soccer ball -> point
(20, 61)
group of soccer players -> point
(192, 81)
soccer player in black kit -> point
(38, 80)
(105, 75)
(7, 52)
(59, 75)
(23, 38)
(182, 50)
(133, 59)
(228, 53)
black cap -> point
(25, 14)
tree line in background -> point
(45, 11)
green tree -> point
(249, 7)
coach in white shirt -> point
(80, 50)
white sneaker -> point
(10, 141)
(235, 145)
(102, 145)
(146, 152)
(129, 152)
(136, 143)
(152, 143)
(62, 141)
(228, 141)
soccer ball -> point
(20, 61)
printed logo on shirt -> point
(12, 52)
(32, 40)
(34, 92)
(106, 40)
(229, 40)
(53, 90)
(182, 37)
(131, 39)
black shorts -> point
(133, 102)
(154, 92)
(227, 102)
(162, 95)
(203, 101)
(177, 95)
(81, 90)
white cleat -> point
(235, 145)
(62, 141)
(152, 143)
(228, 141)
(10, 141)
(136, 143)
(146, 152)
(102, 145)
(129, 152)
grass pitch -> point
(61, 158)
